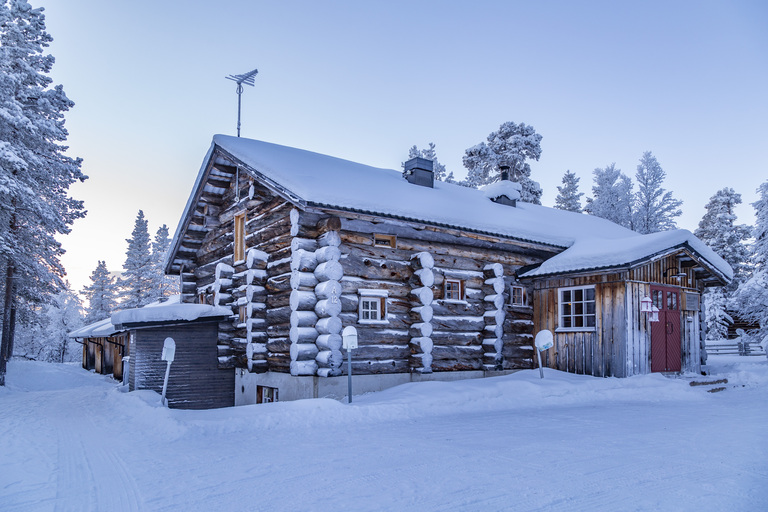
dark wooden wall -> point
(195, 381)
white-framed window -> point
(577, 308)
(453, 289)
(517, 296)
(381, 240)
(372, 306)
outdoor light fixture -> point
(654, 316)
(646, 305)
(677, 274)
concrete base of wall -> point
(296, 388)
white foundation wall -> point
(292, 387)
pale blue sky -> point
(602, 82)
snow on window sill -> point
(576, 329)
(452, 301)
(373, 322)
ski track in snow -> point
(518, 443)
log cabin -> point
(440, 281)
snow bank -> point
(168, 312)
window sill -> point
(373, 322)
(576, 329)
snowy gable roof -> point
(593, 253)
(325, 181)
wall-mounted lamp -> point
(646, 305)
(654, 316)
(678, 274)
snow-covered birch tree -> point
(568, 195)
(655, 208)
(511, 145)
(35, 172)
(612, 196)
(45, 337)
(101, 294)
(138, 280)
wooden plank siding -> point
(195, 381)
(620, 344)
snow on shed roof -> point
(326, 181)
(101, 329)
(592, 253)
(168, 311)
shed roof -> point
(592, 253)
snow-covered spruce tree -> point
(751, 297)
(45, 338)
(568, 196)
(718, 229)
(612, 196)
(717, 318)
(655, 208)
(35, 172)
(101, 294)
(430, 154)
(138, 281)
(511, 146)
(165, 285)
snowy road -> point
(69, 440)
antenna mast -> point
(245, 78)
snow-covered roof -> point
(316, 180)
(168, 311)
(593, 253)
(321, 180)
(100, 329)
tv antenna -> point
(245, 78)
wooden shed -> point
(104, 347)
(590, 296)
(298, 245)
(195, 381)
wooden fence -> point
(735, 347)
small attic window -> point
(454, 289)
(381, 240)
(517, 296)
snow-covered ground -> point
(70, 440)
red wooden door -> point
(666, 354)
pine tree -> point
(569, 197)
(164, 285)
(101, 294)
(655, 208)
(751, 297)
(511, 146)
(612, 196)
(138, 279)
(35, 172)
(718, 229)
(430, 154)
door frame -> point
(666, 335)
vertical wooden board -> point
(620, 329)
(606, 330)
